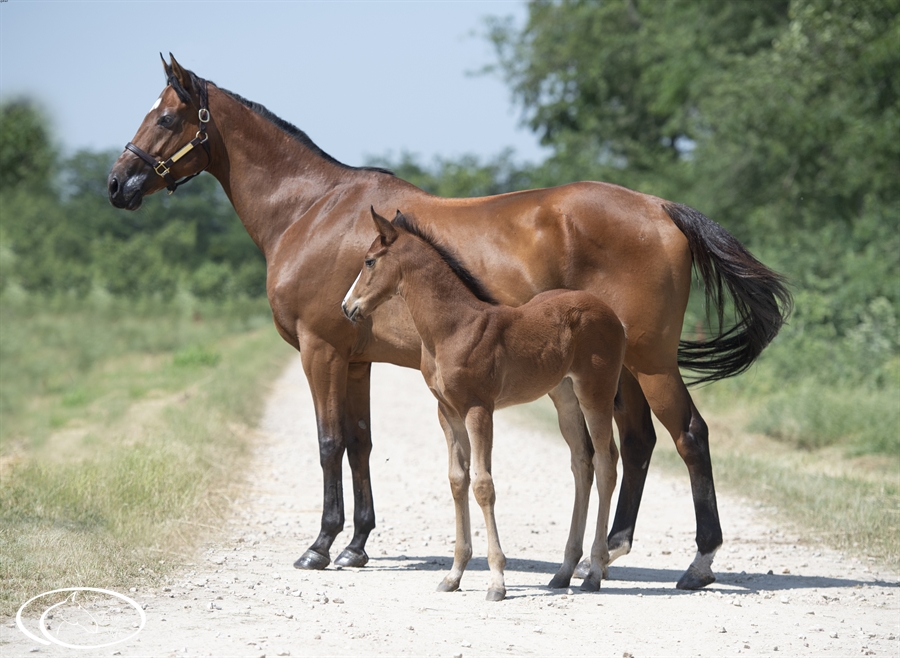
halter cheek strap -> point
(163, 167)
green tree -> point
(27, 155)
(614, 86)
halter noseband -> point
(163, 167)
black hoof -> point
(559, 582)
(312, 561)
(693, 578)
(590, 586)
(351, 558)
(583, 569)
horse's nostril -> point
(113, 185)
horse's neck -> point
(269, 176)
(439, 303)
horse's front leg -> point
(480, 426)
(327, 372)
(574, 431)
(359, 447)
(458, 456)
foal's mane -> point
(469, 280)
(280, 123)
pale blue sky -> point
(361, 78)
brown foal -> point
(479, 355)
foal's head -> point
(379, 279)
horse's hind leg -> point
(672, 404)
(574, 431)
(480, 425)
(359, 447)
(458, 454)
(637, 439)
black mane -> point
(280, 123)
(469, 280)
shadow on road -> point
(646, 581)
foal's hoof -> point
(312, 561)
(495, 594)
(694, 578)
(352, 558)
(559, 582)
(583, 569)
(447, 586)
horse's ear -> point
(179, 73)
(166, 67)
(385, 229)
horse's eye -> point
(166, 120)
(370, 262)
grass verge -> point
(122, 432)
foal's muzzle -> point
(351, 314)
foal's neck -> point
(439, 302)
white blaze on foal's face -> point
(155, 104)
(352, 286)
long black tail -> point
(762, 302)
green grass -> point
(122, 428)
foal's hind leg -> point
(574, 431)
(606, 456)
(458, 453)
(480, 425)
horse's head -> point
(170, 144)
(379, 279)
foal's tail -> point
(761, 299)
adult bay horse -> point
(309, 214)
(478, 356)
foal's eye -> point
(166, 120)
(370, 262)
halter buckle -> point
(161, 169)
(203, 115)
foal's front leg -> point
(480, 425)
(458, 454)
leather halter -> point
(163, 167)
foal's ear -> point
(385, 229)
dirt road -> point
(241, 596)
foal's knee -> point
(459, 482)
(483, 488)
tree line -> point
(780, 119)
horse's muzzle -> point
(124, 194)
